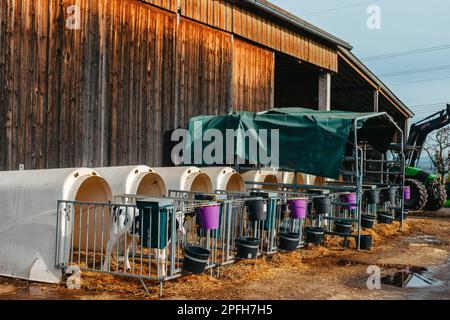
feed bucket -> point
(350, 199)
(314, 235)
(367, 221)
(398, 214)
(343, 227)
(298, 208)
(195, 259)
(384, 218)
(365, 243)
(289, 241)
(247, 248)
(373, 196)
(322, 205)
(389, 195)
(209, 216)
(257, 210)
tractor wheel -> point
(437, 195)
(419, 195)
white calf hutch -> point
(134, 180)
(186, 179)
(28, 212)
(226, 179)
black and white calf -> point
(125, 229)
(121, 230)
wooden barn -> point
(103, 82)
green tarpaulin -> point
(312, 142)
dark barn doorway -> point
(296, 83)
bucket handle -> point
(195, 259)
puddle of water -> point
(411, 278)
(430, 239)
(425, 240)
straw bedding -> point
(239, 272)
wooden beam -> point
(325, 91)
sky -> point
(404, 25)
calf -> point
(124, 229)
(121, 230)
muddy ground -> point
(329, 272)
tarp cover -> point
(310, 141)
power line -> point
(430, 104)
(438, 108)
(414, 71)
(419, 81)
(429, 109)
(406, 53)
(339, 8)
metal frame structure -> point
(357, 176)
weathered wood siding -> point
(25, 136)
(203, 72)
(253, 77)
(215, 13)
(101, 95)
(108, 93)
(261, 29)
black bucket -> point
(256, 210)
(384, 218)
(247, 248)
(322, 205)
(389, 195)
(289, 241)
(367, 221)
(398, 214)
(195, 259)
(365, 243)
(314, 235)
(373, 196)
(343, 227)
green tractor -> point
(427, 192)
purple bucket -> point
(298, 208)
(209, 216)
(349, 198)
(407, 193)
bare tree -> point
(438, 149)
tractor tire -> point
(436, 203)
(419, 195)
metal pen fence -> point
(119, 239)
(145, 237)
